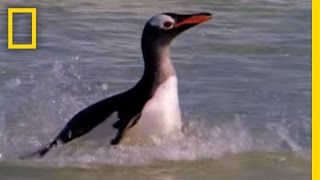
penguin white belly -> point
(161, 114)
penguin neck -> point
(158, 65)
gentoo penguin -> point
(151, 107)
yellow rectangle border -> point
(315, 91)
(33, 44)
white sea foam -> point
(35, 120)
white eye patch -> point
(162, 21)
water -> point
(244, 85)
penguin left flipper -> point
(82, 123)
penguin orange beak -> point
(194, 19)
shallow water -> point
(244, 166)
(244, 85)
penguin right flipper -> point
(122, 126)
(82, 123)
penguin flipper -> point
(82, 123)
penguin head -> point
(163, 28)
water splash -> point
(56, 97)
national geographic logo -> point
(17, 11)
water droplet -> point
(13, 83)
(76, 58)
(104, 87)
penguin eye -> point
(162, 21)
(167, 24)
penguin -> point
(150, 108)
